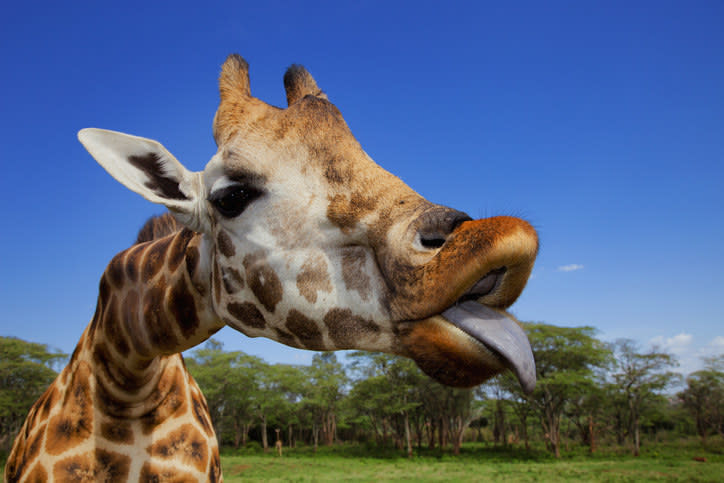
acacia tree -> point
(505, 390)
(462, 409)
(270, 400)
(291, 387)
(566, 362)
(386, 393)
(586, 412)
(323, 393)
(230, 382)
(26, 370)
(398, 398)
(640, 378)
(704, 397)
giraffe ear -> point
(147, 168)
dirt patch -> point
(239, 469)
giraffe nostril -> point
(459, 220)
(432, 242)
(436, 225)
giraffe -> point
(291, 232)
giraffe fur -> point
(291, 232)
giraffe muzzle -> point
(458, 332)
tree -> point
(386, 394)
(26, 370)
(585, 410)
(506, 389)
(640, 377)
(230, 381)
(280, 386)
(704, 397)
(290, 386)
(566, 362)
(462, 409)
(323, 393)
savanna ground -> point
(670, 461)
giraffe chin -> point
(468, 344)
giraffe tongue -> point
(499, 334)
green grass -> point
(664, 462)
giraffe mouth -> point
(498, 335)
(496, 332)
(485, 285)
(472, 340)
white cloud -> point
(717, 344)
(675, 344)
(570, 268)
(688, 353)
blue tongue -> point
(500, 334)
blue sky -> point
(600, 122)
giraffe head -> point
(305, 240)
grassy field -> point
(665, 462)
(671, 461)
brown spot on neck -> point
(154, 258)
(201, 413)
(117, 431)
(74, 424)
(157, 323)
(155, 472)
(22, 457)
(133, 262)
(182, 306)
(158, 227)
(133, 326)
(178, 249)
(112, 328)
(38, 473)
(171, 390)
(115, 273)
(98, 465)
(185, 444)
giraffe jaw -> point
(468, 344)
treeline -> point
(375, 398)
(26, 371)
(588, 392)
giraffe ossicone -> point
(291, 232)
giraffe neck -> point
(153, 304)
(125, 408)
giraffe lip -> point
(499, 334)
(485, 286)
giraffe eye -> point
(233, 200)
